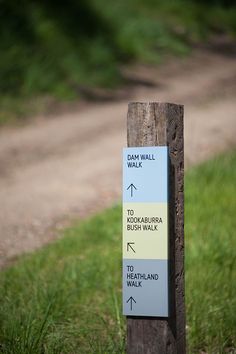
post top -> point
(154, 103)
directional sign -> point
(145, 231)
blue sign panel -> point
(145, 174)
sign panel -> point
(145, 231)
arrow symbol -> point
(131, 300)
(129, 246)
(131, 187)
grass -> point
(49, 49)
(66, 298)
(211, 255)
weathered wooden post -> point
(161, 330)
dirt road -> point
(69, 166)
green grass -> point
(66, 298)
(51, 49)
(211, 255)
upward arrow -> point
(131, 300)
(131, 187)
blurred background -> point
(68, 70)
(50, 51)
(67, 74)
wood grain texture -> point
(159, 124)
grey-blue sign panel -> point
(145, 287)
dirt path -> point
(55, 169)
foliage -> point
(53, 47)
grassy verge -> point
(66, 298)
(49, 49)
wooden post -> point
(159, 124)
